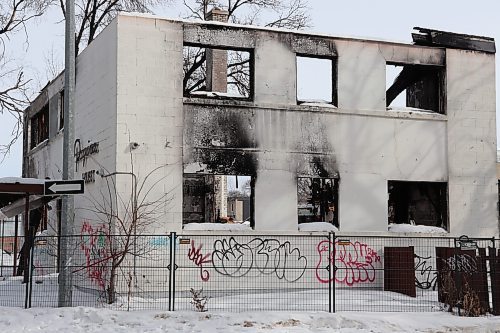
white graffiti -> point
(462, 262)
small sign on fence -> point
(343, 242)
(184, 241)
(466, 244)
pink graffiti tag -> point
(354, 262)
(94, 243)
(196, 256)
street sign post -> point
(53, 187)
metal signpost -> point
(67, 215)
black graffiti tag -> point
(425, 275)
(267, 256)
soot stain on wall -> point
(221, 138)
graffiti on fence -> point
(461, 262)
(159, 241)
(196, 256)
(268, 256)
(94, 243)
(353, 262)
(425, 274)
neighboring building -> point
(351, 160)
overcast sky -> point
(382, 19)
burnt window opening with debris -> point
(39, 127)
(209, 198)
(61, 110)
(415, 86)
(217, 72)
(322, 72)
(418, 203)
(317, 200)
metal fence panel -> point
(245, 273)
(230, 272)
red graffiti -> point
(94, 243)
(196, 256)
(353, 262)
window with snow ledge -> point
(217, 73)
(317, 201)
(316, 81)
(417, 206)
(218, 202)
(411, 87)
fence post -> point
(172, 267)
(458, 277)
(331, 271)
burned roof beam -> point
(430, 37)
(408, 76)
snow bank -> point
(90, 320)
(217, 226)
(19, 180)
(317, 226)
(423, 229)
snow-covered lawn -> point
(89, 320)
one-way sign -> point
(63, 187)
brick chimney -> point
(217, 59)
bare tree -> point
(92, 16)
(289, 14)
(14, 14)
(119, 219)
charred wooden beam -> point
(411, 75)
(430, 37)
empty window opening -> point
(316, 79)
(212, 72)
(39, 127)
(317, 200)
(415, 86)
(218, 199)
(418, 203)
(61, 110)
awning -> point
(13, 192)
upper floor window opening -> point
(39, 127)
(217, 72)
(415, 86)
(316, 80)
(61, 110)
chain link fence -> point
(318, 272)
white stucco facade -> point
(129, 89)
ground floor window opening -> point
(209, 198)
(317, 200)
(418, 203)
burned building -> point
(168, 108)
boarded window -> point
(415, 86)
(219, 73)
(418, 203)
(211, 198)
(316, 80)
(317, 200)
(39, 127)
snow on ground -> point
(90, 320)
(317, 226)
(217, 226)
(416, 228)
